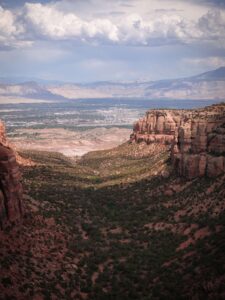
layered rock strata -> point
(11, 205)
(196, 138)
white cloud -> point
(212, 24)
(133, 29)
(166, 29)
(10, 30)
(50, 22)
(7, 23)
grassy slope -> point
(110, 227)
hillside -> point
(209, 85)
(117, 224)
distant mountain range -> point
(209, 85)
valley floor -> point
(115, 225)
(68, 142)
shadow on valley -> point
(116, 224)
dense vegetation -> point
(117, 224)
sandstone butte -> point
(11, 204)
(196, 138)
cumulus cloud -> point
(46, 21)
(49, 22)
(166, 29)
(11, 31)
(213, 24)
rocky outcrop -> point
(11, 205)
(196, 138)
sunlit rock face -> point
(11, 205)
(158, 126)
(196, 138)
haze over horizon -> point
(96, 40)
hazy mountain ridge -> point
(209, 85)
(27, 89)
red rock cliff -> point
(11, 205)
(196, 138)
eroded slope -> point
(112, 227)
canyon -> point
(143, 220)
(195, 138)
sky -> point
(116, 40)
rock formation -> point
(196, 138)
(11, 206)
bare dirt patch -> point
(67, 142)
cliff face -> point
(11, 206)
(196, 138)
